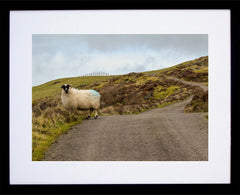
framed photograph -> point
(120, 96)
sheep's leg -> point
(90, 112)
(96, 114)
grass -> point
(42, 141)
(161, 92)
(52, 88)
(50, 119)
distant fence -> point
(96, 74)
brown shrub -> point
(36, 111)
(108, 110)
(199, 103)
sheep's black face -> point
(66, 87)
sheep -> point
(81, 99)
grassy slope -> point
(125, 94)
(193, 70)
(52, 88)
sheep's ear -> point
(62, 86)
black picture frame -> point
(232, 188)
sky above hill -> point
(60, 56)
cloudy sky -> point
(60, 56)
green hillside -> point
(52, 88)
(124, 94)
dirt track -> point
(163, 134)
(205, 88)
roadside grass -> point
(42, 141)
(50, 119)
(199, 103)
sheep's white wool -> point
(81, 99)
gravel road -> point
(162, 134)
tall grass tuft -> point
(50, 119)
